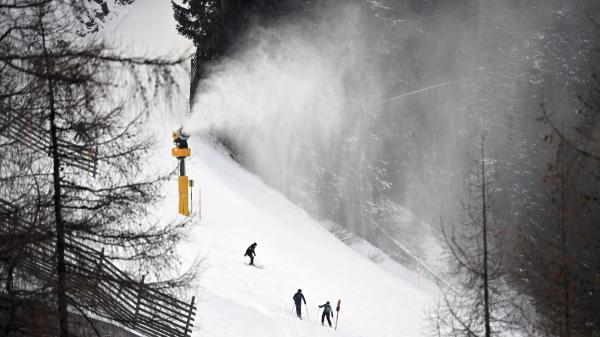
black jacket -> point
(326, 309)
(299, 297)
(250, 251)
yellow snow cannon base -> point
(184, 208)
(181, 153)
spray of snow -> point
(379, 298)
(299, 104)
(282, 102)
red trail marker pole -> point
(337, 316)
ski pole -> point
(318, 312)
(305, 307)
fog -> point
(371, 108)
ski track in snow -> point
(297, 252)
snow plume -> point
(286, 105)
(306, 107)
(285, 90)
(319, 108)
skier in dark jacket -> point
(298, 298)
(327, 311)
(250, 253)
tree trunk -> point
(563, 217)
(60, 230)
(486, 295)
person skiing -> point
(298, 298)
(250, 253)
(327, 311)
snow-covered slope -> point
(296, 252)
(234, 299)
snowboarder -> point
(327, 311)
(298, 298)
(250, 253)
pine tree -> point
(557, 255)
(216, 26)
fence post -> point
(189, 318)
(101, 260)
(137, 306)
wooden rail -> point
(96, 285)
(17, 127)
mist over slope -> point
(383, 298)
(369, 107)
(374, 110)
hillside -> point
(238, 208)
(296, 252)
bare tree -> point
(481, 303)
(72, 168)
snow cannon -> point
(182, 151)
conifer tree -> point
(216, 26)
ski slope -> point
(297, 252)
(234, 299)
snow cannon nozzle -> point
(181, 149)
(179, 136)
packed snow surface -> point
(235, 299)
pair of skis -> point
(254, 265)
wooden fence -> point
(98, 287)
(18, 127)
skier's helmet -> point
(254, 244)
(327, 302)
(299, 290)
